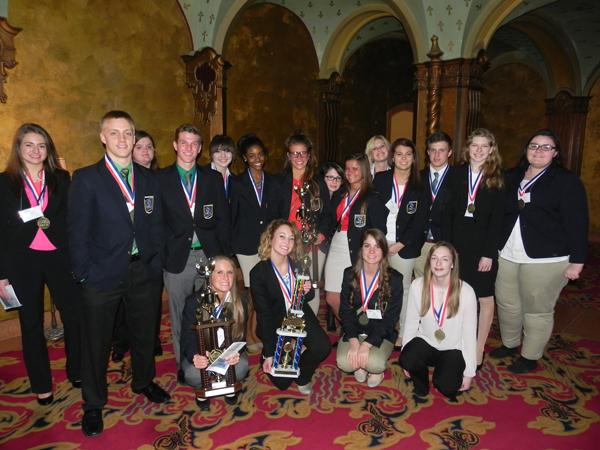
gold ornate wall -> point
(77, 59)
(590, 169)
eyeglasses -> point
(544, 147)
(333, 178)
(300, 154)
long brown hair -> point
(385, 290)
(15, 166)
(455, 283)
(492, 166)
(264, 248)
(239, 326)
(414, 179)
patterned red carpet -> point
(556, 407)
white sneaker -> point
(374, 379)
(360, 375)
(305, 389)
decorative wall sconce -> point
(7, 53)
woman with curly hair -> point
(378, 153)
(272, 283)
(473, 222)
(371, 300)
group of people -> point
(410, 258)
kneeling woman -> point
(441, 326)
(272, 283)
(223, 282)
(371, 300)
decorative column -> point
(329, 117)
(7, 53)
(434, 93)
(205, 74)
(566, 116)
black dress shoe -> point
(203, 404)
(46, 400)
(523, 365)
(155, 393)
(76, 384)
(231, 400)
(503, 352)
(181, 377)
(92, 423)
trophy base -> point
(218, 389)
(287, 373)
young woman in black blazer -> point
(358, 209)
(34, 251)
(473, 222)
(271, 282)
(370, 304)
(407, 206)
(542, 246)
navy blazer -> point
(377, 329)
(412, 216)
(100, 229)
(211, 220)
(555, 222)
(437, 207)
(15, 235)
(248, 218)
(269, 304)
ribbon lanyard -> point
(190, 195)
(396, 191)
(521, 191)
(285, 289)
(349, 202)
(39, 199)
(226, 183)
(221, 306)
(127, 190)
(473, 188)
(434, 192)
(366, 293)
(259, 193)
(440, 314)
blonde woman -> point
(440, 328)
(378, 153)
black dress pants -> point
(317, 348)
(448, 367)
(28, 274)
(139, 295)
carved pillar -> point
(7, 53)
(566, 116)
(434, 94)
(205, 74)
(329, 117)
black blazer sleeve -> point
(268, 313)
(494, 228)
(189, 342)
(347, 309)
(386, 328)
(81, 216)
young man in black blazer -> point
(116, 236)
(435, 180)
(197, 224)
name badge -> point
(220, 337)
(392, 206)
(360, 220)
(374, 314)
(29, 214)
(207, 211)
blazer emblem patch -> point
(360, 220)
(411, 207)
(207, 211)
(149, 204)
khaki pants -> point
(405, 267)
(526, 295)
(420, 261)
(377, 361)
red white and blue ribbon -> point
(440, 313)
(287, 290)
(522, 191)
(434, 192)
(39, 199)
(396, 191)
(257, 191)
(127, 190)
(349, 202)
(190, 194)
(474, 187)
(366, 293)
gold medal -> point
(471, 208)
(521, 203)
(363, 319)
(43, 223)
(439, 334)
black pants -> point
(317, 348)
(28, 275)
(448, 367)
(139, 295)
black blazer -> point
(226, 189)
(555, 222)
(269, 304)
(437, 207)
(479, 236)
(248, 218)
(211, 217)
(100, 229)
(16, 236)
(375, 211)
(376, 330)
(412, 216)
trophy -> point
(308, 214)
(213, 331)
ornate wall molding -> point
(329, 116)
(7, 53)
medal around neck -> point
(43, 223)
(439, 334)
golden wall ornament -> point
(7, 53)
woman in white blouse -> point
(441, 327)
